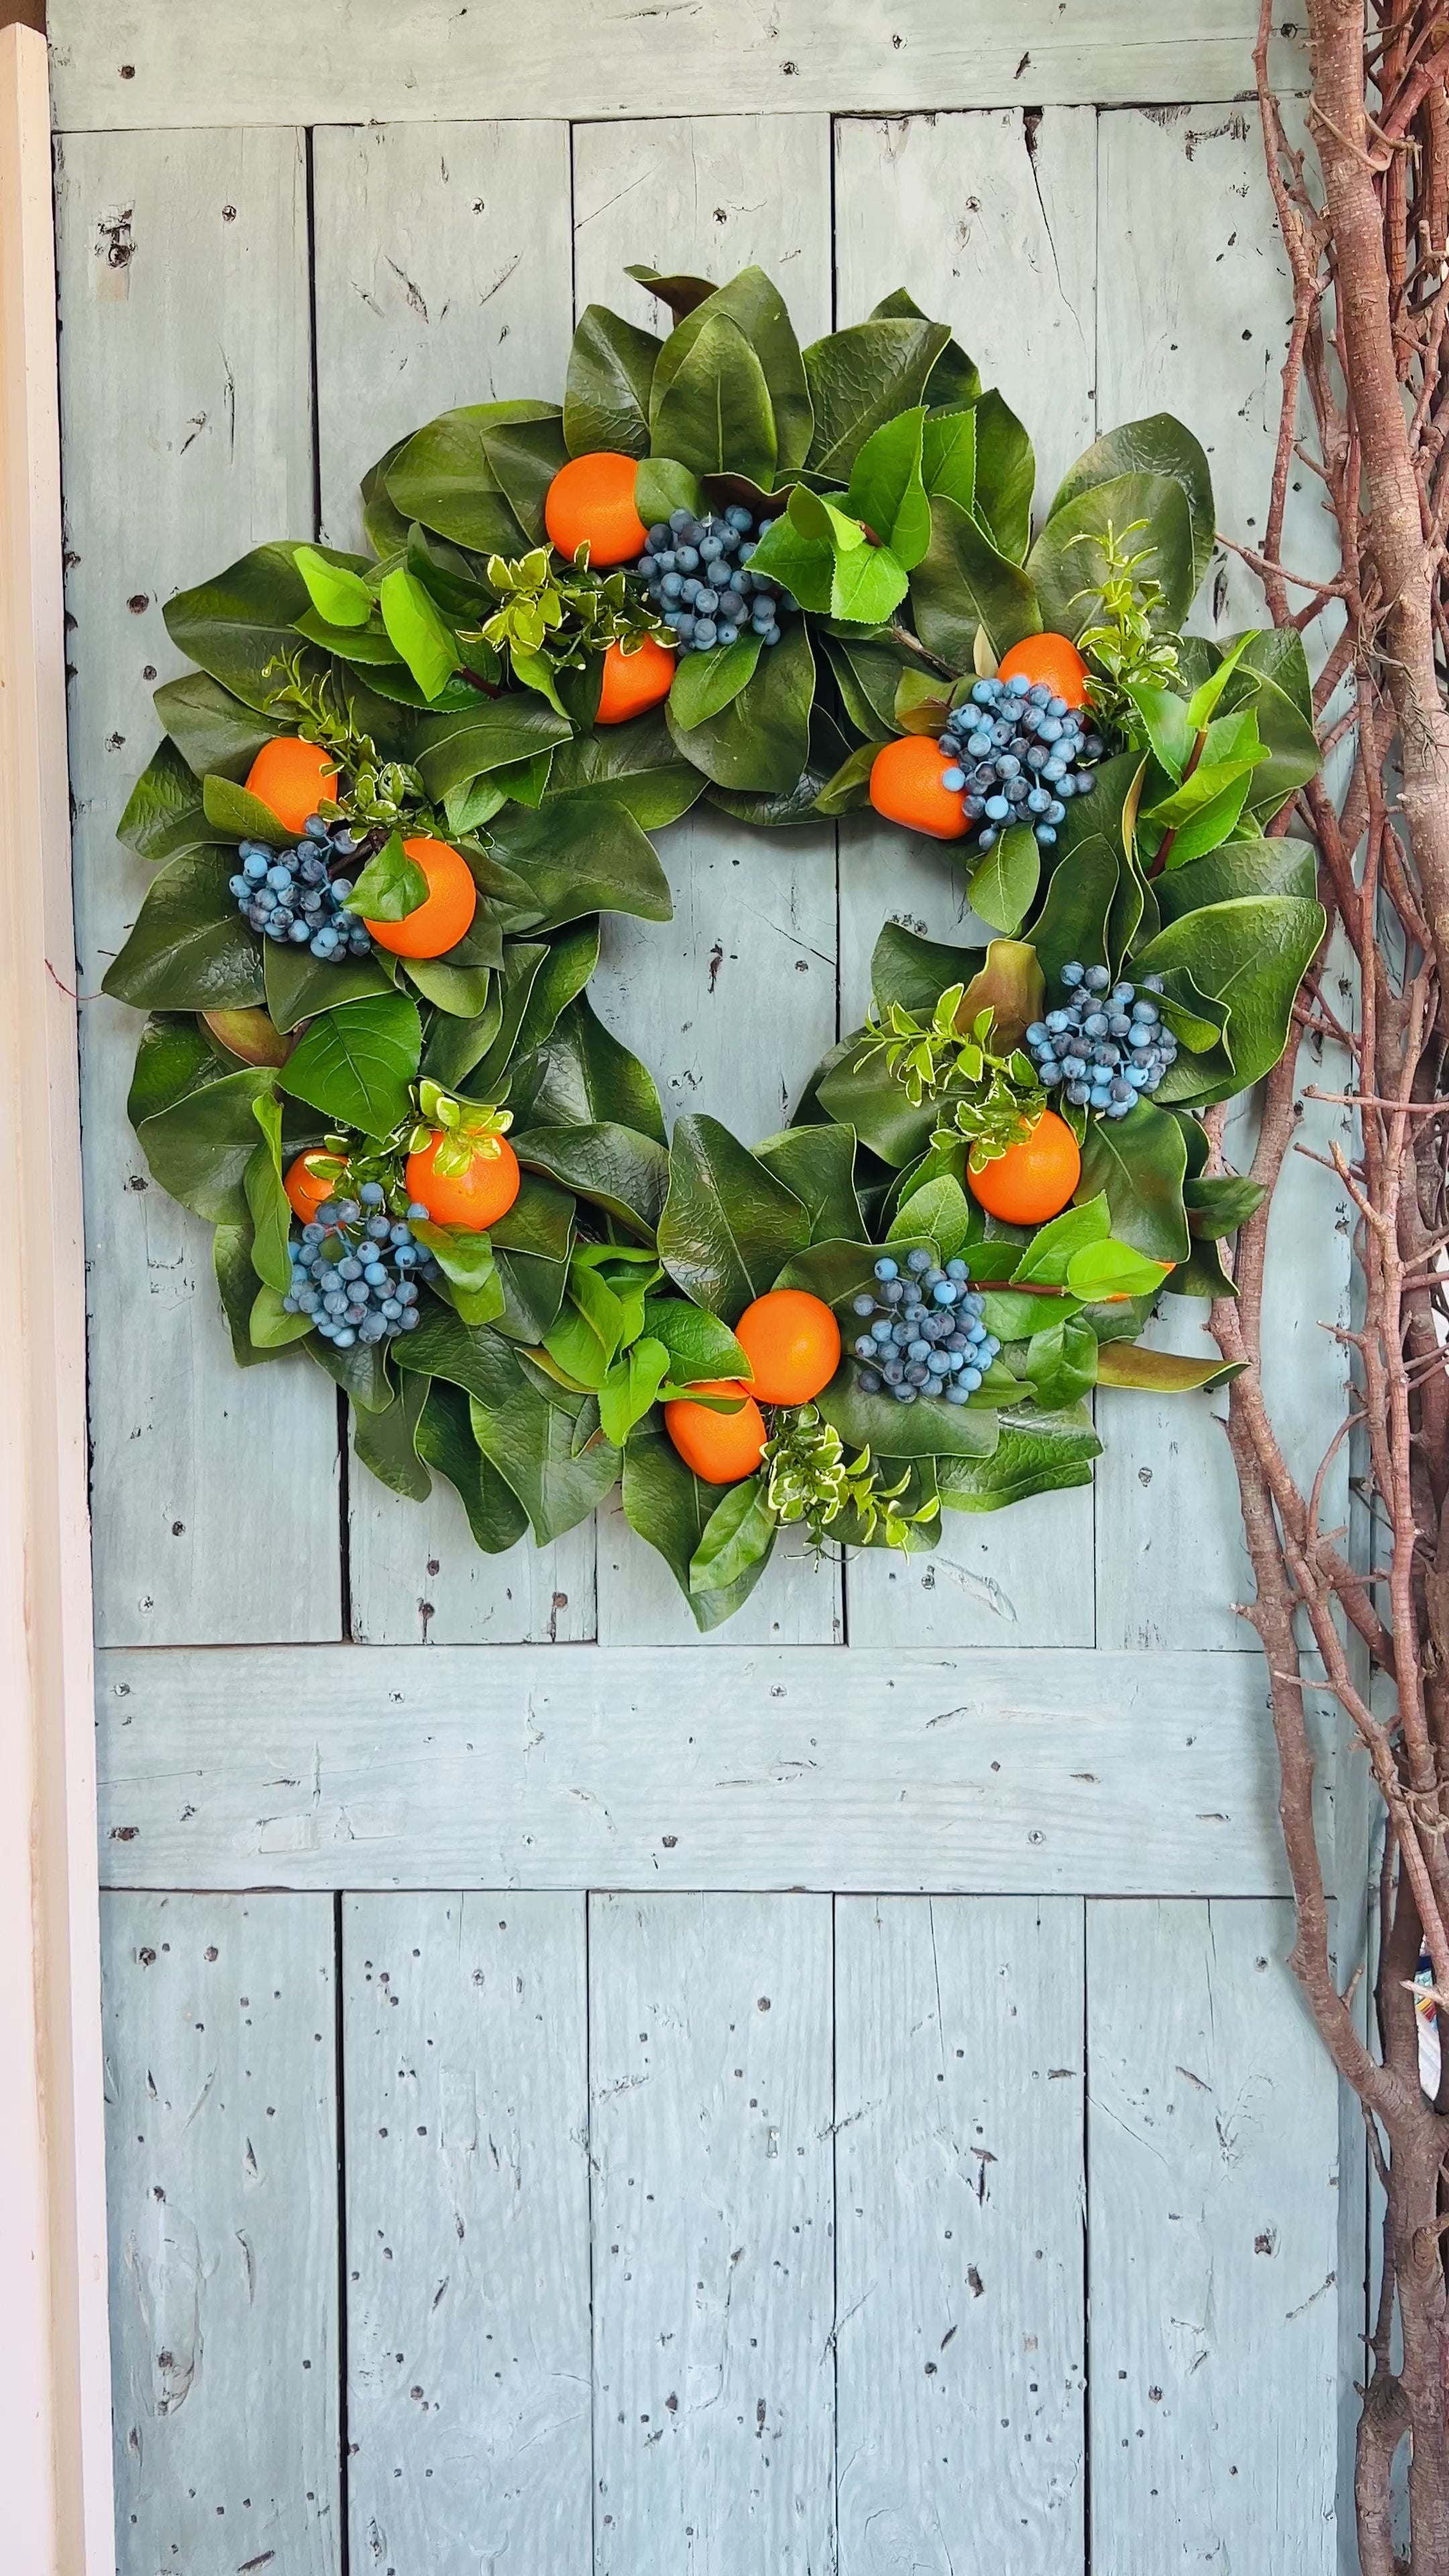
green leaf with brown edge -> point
(356, 1064)
(213, 731)
(728, 1225)
(761, 740)
(861, 378)
(669, 1507)
(386, 1442)
(190, 949)
(616, 1169)
(963, 581)
(1140, 1161)
(164, 814)
(1039, 1452)
(1162, 1372)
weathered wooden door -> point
(583, 2100)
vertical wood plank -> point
(734, 1003)
(443, 276)
(222, 2162)
(960, 2292)
(1204, 337)
(465, 2054)
(710, 2079)
(185, 402)
(991, 220)
(1213, 2215)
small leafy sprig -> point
(379, 794)
(470, 1129)
(809, 1478)
(1132, 644)
(992, 1100)
(552, 616)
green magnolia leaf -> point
(1251, 955)
(699, 1346)
(915, 972)
(630, 1388)
(939, 1212)
(238, 624)
(532, 1245)
(213, 731)
(1073, 919)
(754, 304)
(267, 1202)
(300, 985)
(818, 1165)
(713, 412)
(1140, 1162)
(868, 671)
(606, 399)
(662, 486)
(200, 1147)
(1276, 867)
(775, 809)
(706, 682)
(739, 1532)
(671, 1509)
(1158, 445)
(391, 885)
(386, 1443)
(190, 949)
(1061, 1361)
(636, 765)
(524, 456)
(728, 1225)
(887, 491)
(1164, 1372)
(849, 790)
(172, 1059)
(444, 1441)
(1037, 1453)
(1111, 1269)
(164, 813)
(1004, 881)
(489, 735)
(924, 702)
(590, 1079)
(624, 1173)
(1170, 729)
(948, 455)
(530, 1439)
(242, 817)
(891, 1430)
(804, 562)
(441, 476)
(866, 1096)
(269, 1327)
(1219, 1206)
(342, 597)
(427, 645)
(761, 740)
(1005, 476)
(580, 855)
(955, 379)
(1067, 565)
(861, 378)
(1048, 1257)
(356, 1064)
(964, 581)
(236, 1281)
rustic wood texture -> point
(689, 1768)
(959, 2183)
(710, 2140)
(220, 2029)
(185, 375)
(734, 1003)
(1212, 2203)
(468, 2412)
(123, 65)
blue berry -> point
(885, 1268)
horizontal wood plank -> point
(124, 65)
(687, 1767)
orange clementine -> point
(1033, 1180)
(292, 777)
(1052, 659)
(438, 924)
(634, 681)
(306, 1192)
(905, 786)
(477, 1197)
(592, 497)
(720, 1447)
(792, 1342)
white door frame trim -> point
(54, 2357)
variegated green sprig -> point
(470, 1129)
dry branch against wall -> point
(1366, 411)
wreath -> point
(397, 791)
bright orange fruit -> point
(593, 497)
(905, 786)
(440, 923)
(720, 1447)
(292, 777)
(305, 1191)
(1052, 659)
(792, 1341)
(634, 681)
(1033, 1180)
(477, 1197)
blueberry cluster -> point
(1106, 1045)
(291, 895)
(355, 1270)
(1017, 754)
(697, 573)
(922, 1334)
